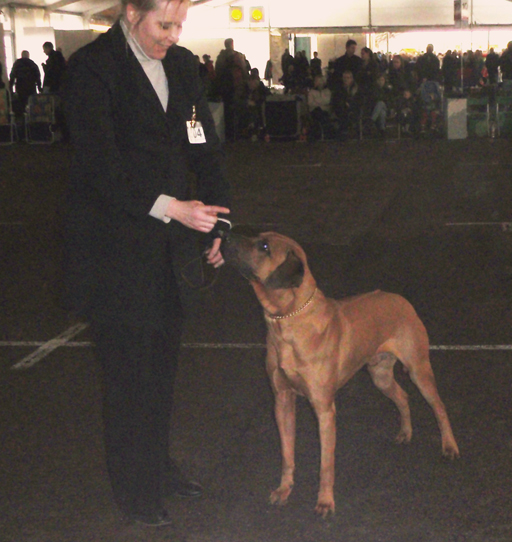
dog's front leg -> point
(326, 414)
(285, 417)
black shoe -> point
(176, 483)
(157, 519)
(183, 488)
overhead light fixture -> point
(236, 13)
(257, 15)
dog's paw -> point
(451, 451)
(403, 437)
(280, 495)
(325, 508)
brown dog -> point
(316, 344)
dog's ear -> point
(288, 275)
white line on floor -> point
(46, 348)
(318, 164)
(477, 224)
(49, 346)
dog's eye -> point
(264, 246)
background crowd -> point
(369, 88)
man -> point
(348, 62)
(232, 75)
(316, 65)
(25, 78)
(506, 66)
(492, 63)
(53, 68)
(428, 66)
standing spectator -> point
(25, 78)
(54, 68)
(129, 96)
(316, 65)
(479, 65)
(449, 71)
(428, 65)
(348, 62)
(286, 61)
(492, 63)
(269, 72)
(506, 67)
(302, 71)
(231, 75)
(368, 72)
(2, 84)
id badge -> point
(195, 132)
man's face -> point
(160, 28)
(47, 50)
(351, 50)
(348, 79)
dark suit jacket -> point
(128, 151)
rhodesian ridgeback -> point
(316, 344)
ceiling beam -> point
(59, 5)
(99, 7)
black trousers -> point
(139, 368)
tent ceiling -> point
(108, 9)
(78, 7)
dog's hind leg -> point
(380, 368)
(422, 375)
(285, 401)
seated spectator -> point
(430, 100)
(408, 110)
(319, 106)
(252, 117)
(346, 103)
(398, 78)
(378, 102)
(289, 80)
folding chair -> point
(478, 116)
(504, 114)
(40, 119)
(8, 129)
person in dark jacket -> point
(25, 78)
(139, 123)
(428, 66)
(492, 63)
(506, 66)
(54, 68)
(347, 62)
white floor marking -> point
(318, 164)
(477, 223)
(46, 348)
(49, 346)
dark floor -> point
(427, 219)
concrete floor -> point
(426, 219)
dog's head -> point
(269, 259)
